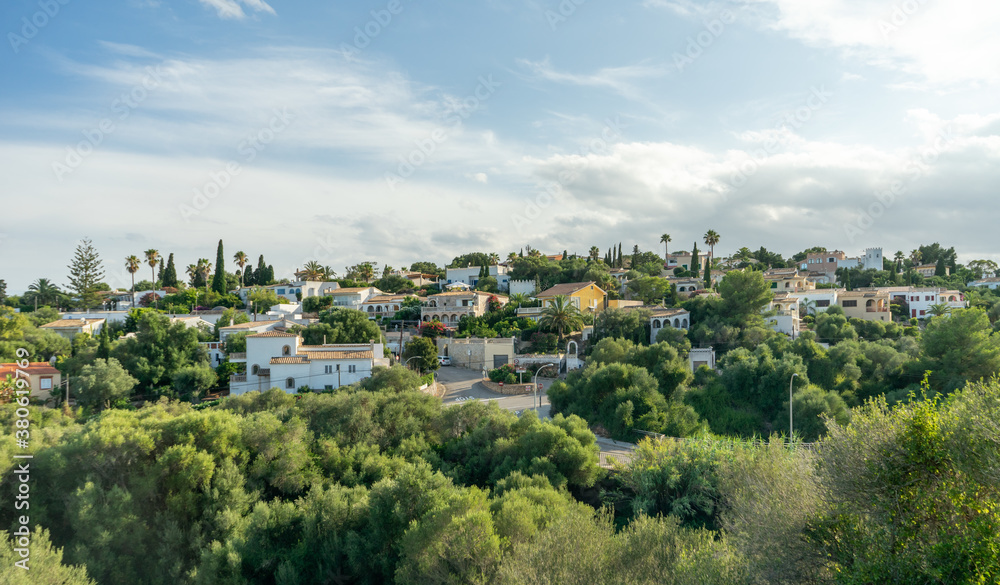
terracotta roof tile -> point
(295, 359)
(272, 334)
(34, 368)
(249, 325)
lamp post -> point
(791, 381)
(412, 358)
(535, 386)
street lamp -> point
(535, 385)
(790, 382)
(412, 358)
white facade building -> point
(470, 275)
(816, 301)
(280, 360)
(920, 300)
(663, 318)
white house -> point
(920, 300)
(701, 356)
(352, 298)
(470, 275)
(383, 305)
(281, 360)
(663, 318)
(816, 301)
(293, 290)
(254, 327)
(990, 283)
(786, 314)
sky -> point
(397, 131)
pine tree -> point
(219, 280)
(169, 273)
(85, 273)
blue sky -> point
(452, 126)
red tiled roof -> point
(33, 369)
(272, 334)
(67, 323)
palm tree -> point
(595, 253)
(711, 239)
(132, 265)
(561, 315)
(192, 272)
(153, 259)
(939, 310)
(494, 258)
(240, 258)
(44, 291)
(511, 257)
(204, 270)
(366, 270)
(807, 307)
(915, 257)
(665, 240)
(899, 260)
(313, 270)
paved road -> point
(463, 384)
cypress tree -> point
(169, 273)
(159, 273)
(708, 275)
(941, 268)
(695, 266)
(104, 346)
(621, 264)
(248, 277)
(270, 274)
(260, 273)
(219, 280)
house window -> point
(327, 369)
(850, 303)
(338, 367)
(254, 369)
(290, 383)
(328, 387)
(281, 291)
(922, 312)
(351, 369)
(45, 383)
(286, 351)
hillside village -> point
(255, 332)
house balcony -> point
(238, 357)
(237, 378)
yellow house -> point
(867, 305)
(587, 296)
(41, 377)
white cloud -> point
(227, 9)
(939, 44)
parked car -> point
(444, 360)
